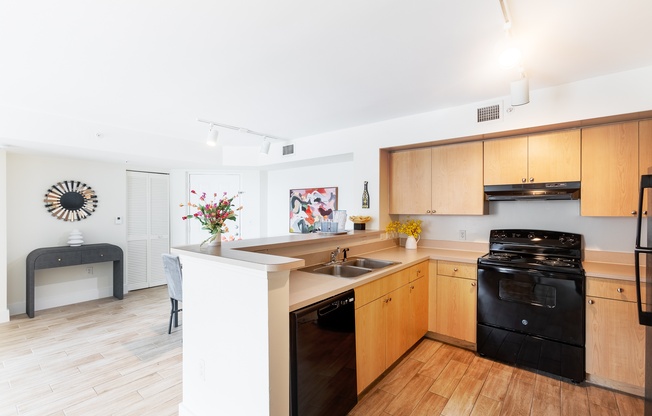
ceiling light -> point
(264, 146)
(211, 140)
(520, 91)
(213, 132)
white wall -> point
(30, 226)
(338, 175)
(621, 93)
(4, 311)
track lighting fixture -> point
(511, 57)
(520, 90)
(213, 133)
(264, 146)
(211, 140)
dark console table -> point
(50, 257)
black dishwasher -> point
(322, 357)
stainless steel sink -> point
(341, 270)
(353, 267)
(368, 263)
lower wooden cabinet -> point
(391, 315)
(454, 297)
(615, 342)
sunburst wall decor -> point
(70, 200)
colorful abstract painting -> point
(309, 207)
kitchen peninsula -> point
(236, 303)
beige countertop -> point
(308, 288)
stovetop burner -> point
(535, 249)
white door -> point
(148, 220)
(213, 183)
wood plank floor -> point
(104, 357)
(112, 357)
(439, 379)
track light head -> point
(264, 146)
(211, 140)
(520, 91)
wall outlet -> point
(89, 270)
(462, 234)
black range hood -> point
(533, 191)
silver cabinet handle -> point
(455, 269)
(619, 290)
(428, 212)
(531, 179)
(590, 301)
(472, 283)
(522, 179)
(633, 212)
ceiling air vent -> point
(288, 150)
(489, 113)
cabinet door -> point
(370, 334)
(505, 161)
(610, 170)
(418, 320)
(456, 308)
(410, 182)
(615, 342)
(554, 157)
(397, 314)
(645, 155)
(457, 187)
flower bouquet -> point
(212, 214)
(411, 228)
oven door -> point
(543, 304)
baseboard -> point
(4, 316)
(452, 341)
(615, 385)
(70, 298)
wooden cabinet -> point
(390, 313)
(439, 180)
(410, 182)
(455, 301)
(549, 157)
(457, 180)
(418, 303)
(615, 342)
(610, 167)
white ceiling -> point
(294, 68)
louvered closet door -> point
(147, 228)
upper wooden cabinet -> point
(549, 157)
(410, 182)
(439, 180)
(610, 169)
(645, 147)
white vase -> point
(411, 243)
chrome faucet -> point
(335, 254)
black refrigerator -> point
(643, 256)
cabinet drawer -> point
(612, 289)
(49, 260)
(99, 255)
(418, 271)
(465, 270)
(378, 288)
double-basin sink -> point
(353, 267)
